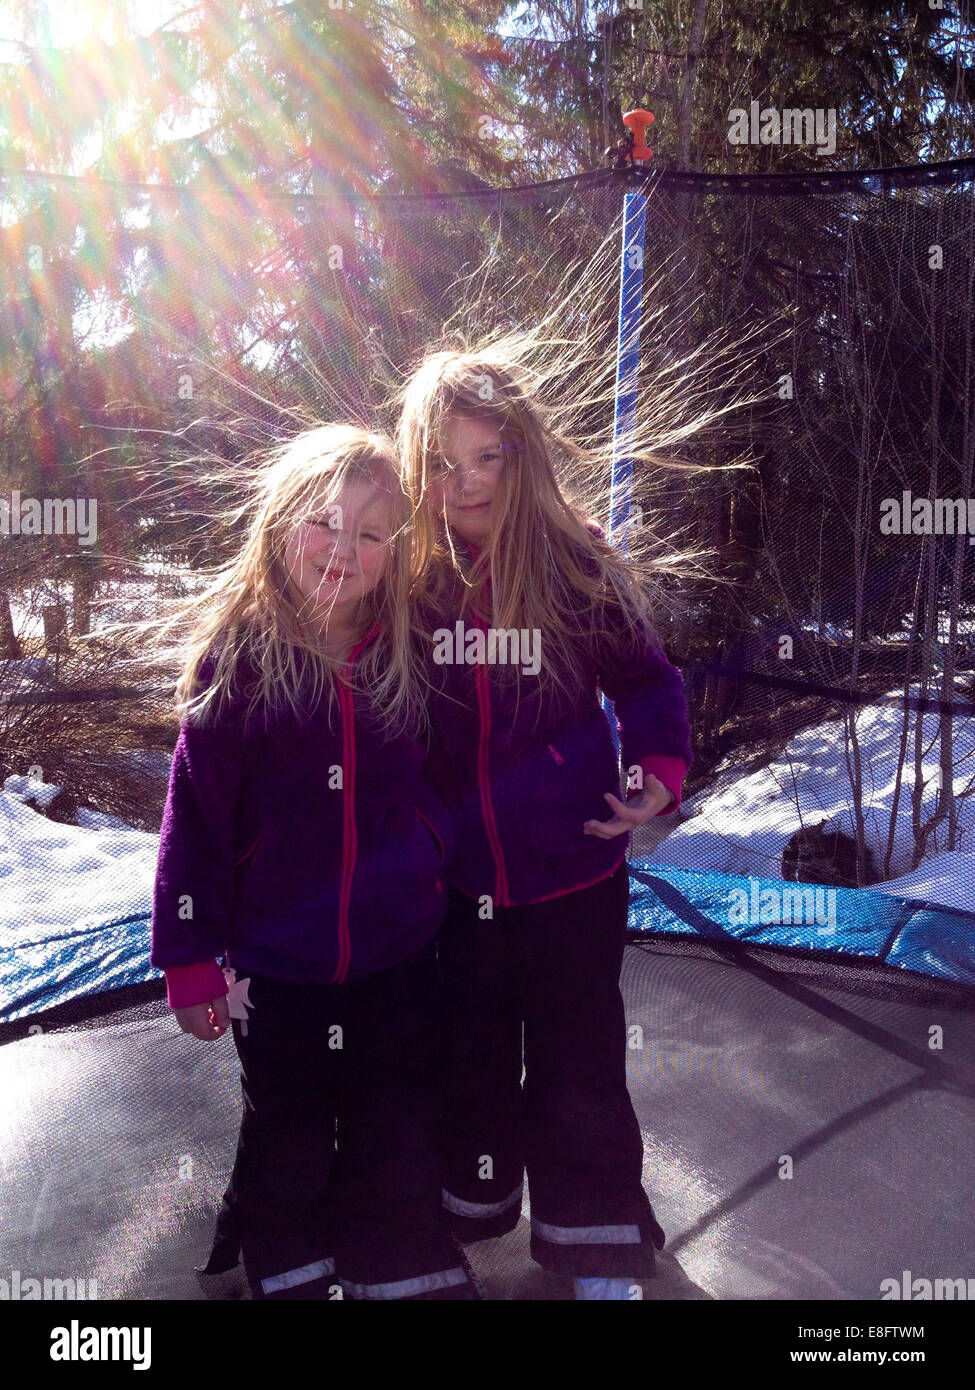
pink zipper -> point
(483, 771)
(350, 838)
(556, 754)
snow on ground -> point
(947, 878)
(57, 879)
(118, 601)
(965, 627)
(18, 678)
(740, 824)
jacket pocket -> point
(564, 789)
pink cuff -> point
(194, 984)
(669, 770)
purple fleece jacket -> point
(304, 852)
(520, 778)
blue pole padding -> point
(627, 366)
(627, 370)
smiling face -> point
(338, 556)
(468, 490)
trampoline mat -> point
(803, 1141)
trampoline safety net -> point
(797, 929)
(830, 685)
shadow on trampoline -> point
(803, 1138)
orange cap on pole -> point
(638, 121)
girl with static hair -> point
(531, 950)
(302, 841)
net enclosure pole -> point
(627, 366)
(627, 370)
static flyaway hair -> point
(549, 562)
(254, 620)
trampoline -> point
(802, 1139)
(806, 1100)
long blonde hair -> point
(550, 567)
(253, 615)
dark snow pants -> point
(549, 972)
(337, 1176)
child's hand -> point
(205, 1021)
(630, 814)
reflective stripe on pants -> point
(460, 1207)
(408, 1288)
(293, 1277)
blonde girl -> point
(303, 843)
(529, 614)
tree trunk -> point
(10, 648)
(82, 588)
(685, 112)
